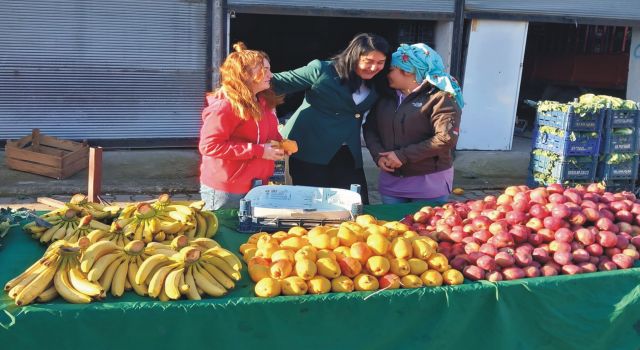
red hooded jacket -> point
(232, 148)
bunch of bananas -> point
(114, 267)
(163, 220)
(62, 224)
(192, 272)
(114, 234)
(80, 203)
(57, 273)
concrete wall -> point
(633, 79)
(443, 41)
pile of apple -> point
(544, 231)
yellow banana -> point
(154, 225)
(48, 295)
(140, 289)
(205, 243)
(97, 235)
(66, 290)
(212, 223)
(81, 284)
(207, 283)
(119, 279)
(217, 274)
(50, 232)
(95, 252)
(37, 286)
(38, 265)
(157, 281)
(102, 264)
(149, 265)
(99, 226)
(228, 256)
(147, 233)
(222, 265)
(201, 225)
(192, 287)
(139, 233)
(182, 209)
(106, 280)
(172, 283)
(172, 227)
(18, 287)
(184, 288)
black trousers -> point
(341, 172)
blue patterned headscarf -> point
(427, 65)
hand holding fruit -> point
(272, 153)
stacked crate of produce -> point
(618, 166)
(566, 141)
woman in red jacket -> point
(239, 122)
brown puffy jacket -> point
(422, 131)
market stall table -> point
(591, 311)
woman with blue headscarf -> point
(412, 133)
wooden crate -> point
(46, 155)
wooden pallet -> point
(46, 155)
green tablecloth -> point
(591, 311)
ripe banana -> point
(37, 286)
(148, 266)
(119, 279)
(172, 283)
(157, 281)
(101, 265)
(207, 283)
(212, 223)
(95, 252)
(228, 256)
(217, 274)
(66, 290)
(48, 295)
(81, 284)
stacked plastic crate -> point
(565, 146)
(618, 166)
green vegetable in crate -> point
(619, 158)
(623, 131)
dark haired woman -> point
(327, 124)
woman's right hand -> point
(272, 153)
(383, 163)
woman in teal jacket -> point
(327, 124)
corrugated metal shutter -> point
(625, 10)
(113, 69)
(380, 8)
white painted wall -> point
(443, 41)
(633, 79)
(492, 84)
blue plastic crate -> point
(612, 143)
(566, 168)
(582, 146)
(623, 171)
(621, 185)
(622, 118)
(571, 121)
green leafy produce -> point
(618, 158)
(588, 104)
(10, 218)
(623, 131)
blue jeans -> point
(216, 199)
(397, 200)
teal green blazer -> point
(327, 117)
